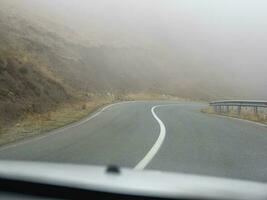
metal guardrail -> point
(219, 106)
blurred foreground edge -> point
(69, 181)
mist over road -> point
(165, 136)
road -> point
(165, 136)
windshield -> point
(165, 85)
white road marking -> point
(60, 129)
(155, 148)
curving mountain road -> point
(165, 136)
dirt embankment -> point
(24, 89)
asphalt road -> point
(165, 136)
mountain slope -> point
(24, 89)
(76, 63)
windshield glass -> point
(166, 85)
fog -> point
(212, 40)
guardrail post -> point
(217, 109)
(238, 110)
(227, 109)
(255, 110)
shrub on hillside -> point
(84, 107)
(23, 70)
(3, 65)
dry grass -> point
(245, 114)
(35, 124)
(151, 97)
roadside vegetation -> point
(148, 96)
(246, 114)
(32, 124)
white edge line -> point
(75, 124)
(155, 148)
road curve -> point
(165, 136)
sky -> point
(227, 37)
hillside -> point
(82, 63)
(45, 63)
(27, 83)
(24, 89)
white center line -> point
(155, 148)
